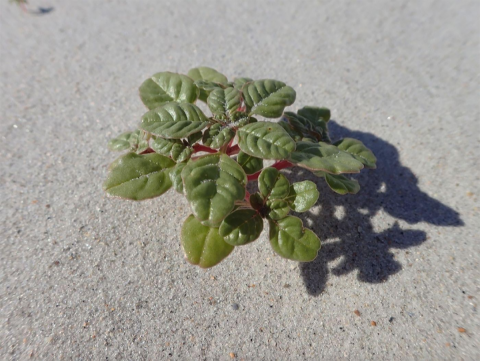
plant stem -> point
(233, 150)
(278, 165)
(247, 195)
(202, 148)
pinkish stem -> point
(278, 165)
(202, 148)
(233, 150)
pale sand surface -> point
(86, 277)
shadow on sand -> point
(41, 11)
(391, 188)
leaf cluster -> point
(210, 159)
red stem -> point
(282, 164)
(233, 150)
(202, 148)
(147, 151)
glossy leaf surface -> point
(302, 196)
(290, 240)
(203, 246)
(174, 120)
(241, 227)
(224, 103)
(209, 75)
(311, 128)
(173, 148)
(138, 177)
(194, 138)
(212, 184)
(124, 141)
(166, 87)
(240, 82)
(340, 184)
(176, 176)
(324, 157)
(268, 97)
(265, 140)
(358, 150)
(272, 184)
(217, 136)
(249, 163)
(277, 209)
(315, 113)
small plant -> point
(211, 160)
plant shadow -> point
(391, 188)
(41, 11)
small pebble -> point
(235, 306)
(373, 323)
(461, 330)
(391, 319)
(357, 312)
(232, 355)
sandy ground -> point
(86, 277)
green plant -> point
(212, 159)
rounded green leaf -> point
(315, 114)
(166, 87)
(203, 246)
(268, 97)
(181, 152)
(174, 120)
(310, 128)
(176, 177)
(277, 209)
(272, 184)
(294, 133)
(208, 75)
(302, 196)
(265, 140)
(212, 184)
(173, 148)
(217, 136)
(143, 142)
(241, 227)
(358, 150)
(124, 141)
(138, 177)
(249, 163)
(298, 122)
(238, 83)
(194, 138)
(339, 183)
(208, 86)
(256, 201)
(324, 157)
(290, 240)
(164, 146)
(224, 103)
